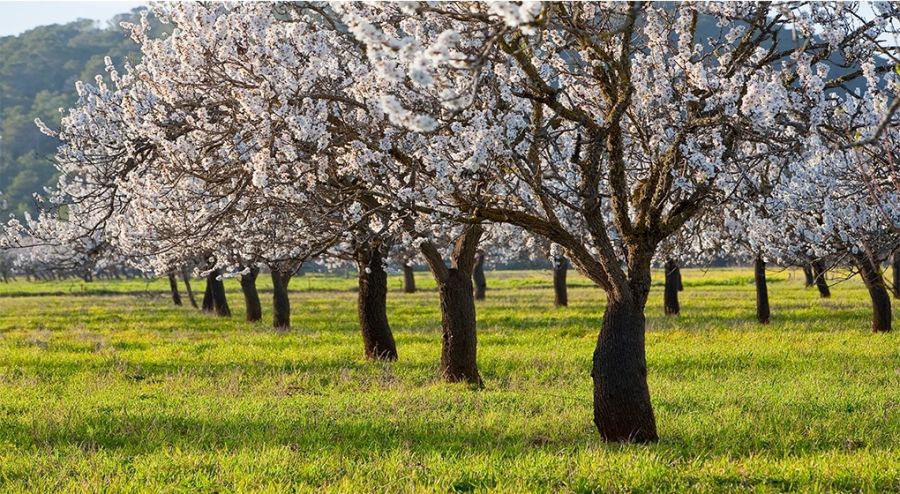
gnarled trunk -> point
(459, 345)
(186, 276)
(251, 296)
(478, 276)
(819, 271)
(458, 340)
(881, 301)
(281, 303)
(622, 408)
(372, 307)
(560, 289)
(217, 291)
(762, 290)
(808, 276)
(409, 279)
(670, 291)
(895, 274)
(173, 286)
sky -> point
(17, 17)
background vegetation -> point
(123, 391)
(38, 71)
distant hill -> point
(38, 71)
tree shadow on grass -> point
(139, 433)
(309, 433)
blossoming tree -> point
(617, 117)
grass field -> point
(107, 387)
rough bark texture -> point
(622, 408)
(560, 289)
(670, 295)
(373, 322)
(881, 301)
(251, 296)
(810, 279)
(409, 279)
(186, 276)
(819, 271)
(458, 339)
(173, 285)
(762, 291)
(220, 303)
(478, 276)
(459, 345)
(281, 303)
(895, 275)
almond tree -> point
(617, 117)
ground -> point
(108, 387)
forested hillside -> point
(38, 71)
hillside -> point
(38, 71)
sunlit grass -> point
(121, 391)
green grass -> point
(120, 391)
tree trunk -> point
(409, 279)
(459, 345)
(895, 275)
(819, 270)
(281, 317)
(622, 408)
(186, 276)
(373, 322)
(670, 293)
(219, 302)
(458, 340)
(478, 276)
(173, 285)
(881, 301)
(762, 290)
(208, 304)
(560, 289)
(810, 279)
(251, 296)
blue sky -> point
(18, 16)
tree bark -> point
(459, 345)
(560, 289)
(762, 290)
(219, 302)
(881, 301)
(670, 292)
(409, 279)
(478, 276)
(173, 286)
(281, 317)
(895, 274)
(251, 296)
(455, 290)
(378, 340)
(810, 279)
(819, 270)
(622, 408)
(186, 276)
